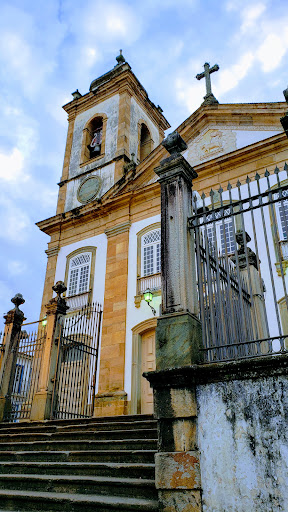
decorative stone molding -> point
(52, 251)
(116, 230)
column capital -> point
(172, 167)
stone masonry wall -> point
(243, 443)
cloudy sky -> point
(50, 48)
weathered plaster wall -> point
(110, 107)
(135, 315)
(106, 174)
(243, 441)
(136, 114)
(215, 141)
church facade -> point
(105, 237)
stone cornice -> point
(125, 81)
(187, 376)
(116, 230)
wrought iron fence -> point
(242, 290)
(75, 380)
(27, 358)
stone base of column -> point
(41, 406)
(178, 339)
(2, 407)
(111, 404)
(179, 501)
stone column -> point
(13, 323)
(55, 310)
(178, 340)
(111, 398)
(178, 334)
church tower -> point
(112, 131)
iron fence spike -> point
(257, 176)
(276, 170)
(248, 180)
(267, 173)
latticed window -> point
(224, 231)
(79, 274)
(151, 253)
(283, 216)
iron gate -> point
(76, 370)
(26, 356)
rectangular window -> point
(151, 253)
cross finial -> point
(209, 98)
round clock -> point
(89, 189)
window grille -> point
(79, 274)
(151, 253)
(224, 234)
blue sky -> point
(49, 49)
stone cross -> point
(209, 98)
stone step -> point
(110, 421)
(70, 484)
(142, 456)
(108, 469)
(85, 445)
(46, 501)
(79, 435)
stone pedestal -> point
(177, 463)
(56, 310)
(8, 360)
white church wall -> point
(106, 174)
(136, 114)
(110, 107)
(135, 315)
(100, 243)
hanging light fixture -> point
(148, 296)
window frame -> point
(151, 227)
(69, 258)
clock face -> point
(89, 189)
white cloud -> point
(229, 78)
(16, 268)
(15, 223)
(11, 166)
(250, 15)
(271, 52)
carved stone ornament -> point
(89, 189)
(59, 288)
(174, 143)
(18, 300)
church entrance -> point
(143, 360)
(147, 365)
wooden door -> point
(147, 364)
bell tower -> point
(111, 125)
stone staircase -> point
(95, 464)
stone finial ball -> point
(18, 299)
(59, 288)
(174, 143)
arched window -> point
(79, 274)
(145, 142)
(93, 144)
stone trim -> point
(52, 251)
(116, 230)
(188, 376)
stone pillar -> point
(178, 340)
(111, 398)
(13, 323)
(55, 310)
(178, 333)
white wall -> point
(100, 243)
(135, 315)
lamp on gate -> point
(148, 296)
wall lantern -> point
(148, 296)
(44, 321)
